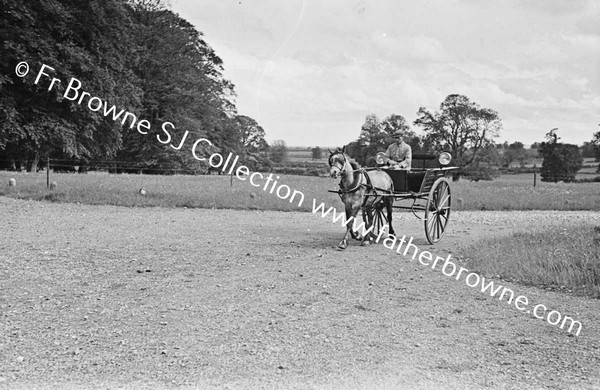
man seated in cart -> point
(399, 154)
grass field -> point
(509, 192)
(565, 259)
(305, 154)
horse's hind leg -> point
(389, 202)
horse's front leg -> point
(351, 212)
(368, 221)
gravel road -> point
(102, 296)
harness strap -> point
(369, 185)
(356, 187)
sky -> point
(310, 71)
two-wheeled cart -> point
(427, 188)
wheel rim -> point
(437, 211)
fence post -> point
(48, 172)
(534, 178)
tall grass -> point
(563, 258)
(509, 192)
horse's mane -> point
(353, 163)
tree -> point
(317, 153)
(181, 79)
(395, 122)
(87, 40)
(561, 161)
(596, 143)
(279, 151)
(375, 136)
(514, 152)
(534, 145)
(136, 55)
(461, 127)
(371, 128)
(249, 143)
(596, 147)
(588, 150)
(485, 166)
(516, 146)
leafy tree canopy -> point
(459, 126)
(137, 55)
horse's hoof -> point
(340, 248)
(365, 243)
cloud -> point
(535, 62)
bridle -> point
(340, 167)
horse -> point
(355, 184)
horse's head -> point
(337, 161)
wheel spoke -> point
(374, 222)
(443, 191)
(445, 218)
(431, 217)
(440, 227)
(430, 222)
(444, 200)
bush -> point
(482, 172)
(518, 170)
(561, 162)
(592, 180)
(279, 151)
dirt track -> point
(99, 296)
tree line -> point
(137, 55)
(467, 130)
(140, 56)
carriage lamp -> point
(445, 158)
(380, 158)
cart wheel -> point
(437, 210)
(379, 219)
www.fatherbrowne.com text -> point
(74, 92)
(450, 269)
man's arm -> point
(408, 158)
(388, 154)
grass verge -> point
(566, 259)
(509, 192)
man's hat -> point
(397, 134)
